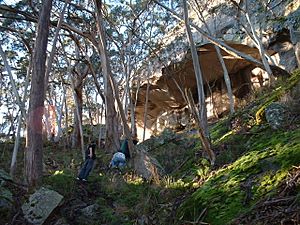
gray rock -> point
(40, 205)
(90, 211)
(147, 166)
(88, 215)
(277, 115)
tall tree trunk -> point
(204, 140)
(34, 152)
(67, 137)
(198, 73)
(132, 110)
(78, 131)
(76, 136)
(226, 79)
(113, 92)
(59, 112)
(80, 74)
(146, 103)
(112, 129)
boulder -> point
(277, 115)
(40, 205)
(89, 214)
(90, 211)
(147, 166)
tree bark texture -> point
(76, 136)
(34, 151)
(113, 92)
(112, 136)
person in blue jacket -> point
(118, 160)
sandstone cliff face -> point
(276, 23)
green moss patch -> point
(232, 190)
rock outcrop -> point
(40, 205)
(278, 27)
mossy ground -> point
(257, 160)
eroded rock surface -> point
(40, 205)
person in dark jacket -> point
(125, 148)
(90, 157)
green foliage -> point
(61, 181)
(171, 183)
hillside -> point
(256, 178)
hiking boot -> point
(84, 180)
(77, 178)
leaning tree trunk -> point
(21, 105)
(53, 50)
(12, 81)
(13, 164)
(220, 57)
(260, 48)
(34, 151)
(198, 73)
(204, 140)
(219, 43)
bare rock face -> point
(147, 166)
(166, 105)
(40, 205)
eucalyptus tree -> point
(34, 151)
(16, 37)
(136, 21)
